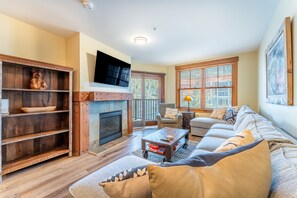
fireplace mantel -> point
(83, 96)
(81, 114)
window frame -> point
(202, 65)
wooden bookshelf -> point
(33, 90)
(34, 159)
(30, 138)
(34, 113)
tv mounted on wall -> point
(112, 71)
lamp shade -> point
(188, 98)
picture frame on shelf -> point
(279, 67)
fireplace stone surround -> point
(86, 109)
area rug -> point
(182, 153)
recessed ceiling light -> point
(140, 40)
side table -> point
(187, 117)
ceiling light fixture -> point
(88, 4)
(140, 40)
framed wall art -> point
(279, 67)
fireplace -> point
(110, 126)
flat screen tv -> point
(112, 71)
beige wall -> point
(24, 40)
(73, 58)
(78, 51)
(247, 80)
(283, 116)
(88, 53)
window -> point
(211, 84)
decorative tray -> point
(38, 109)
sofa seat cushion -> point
(223, 126)
(169, 121)
(220, 133)
(240, 139)
(284, 168)
(205, 122)
(210, 143)
(89, 185)
(199, 152)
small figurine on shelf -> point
(37, 81)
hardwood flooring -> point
(53, 178)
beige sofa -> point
(200, 125)
(283, 150)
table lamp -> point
(188, 98)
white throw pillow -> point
(170, 113)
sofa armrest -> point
(159, 117)
(179, 116)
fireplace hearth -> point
(110, 126)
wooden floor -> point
(52, 178)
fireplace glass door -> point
(147, 90)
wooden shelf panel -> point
(35, 90)
(35, 113)
(32, 136)
(25, 162)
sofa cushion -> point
(262, 128)
(199, 152)
(210, 143)
(218, 113)
(284, 168)
(205, 122)
(88, 186)
(243, 138)
(242, 172)
(220, 133)
(129, 183)
(231, 114)
(243, 111)
(169, 121)
(223, 126)
(170, 113)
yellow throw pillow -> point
(218, 113)
(170, 113)
(243, 138)
(243, 172)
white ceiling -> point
(186, 30)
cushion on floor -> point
(220, 133)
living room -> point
(58, 44)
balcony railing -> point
(151, 109)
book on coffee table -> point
(160, 150)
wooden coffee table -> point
(180, 138)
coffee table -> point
(180, 136)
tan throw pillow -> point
(132, 183)
(218, 113)
(243, 138)
(170, 113)
(243, 172)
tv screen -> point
(112, 71)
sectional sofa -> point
(283, 152)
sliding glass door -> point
(147, 89)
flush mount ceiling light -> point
(140, 40)
(88, 4)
